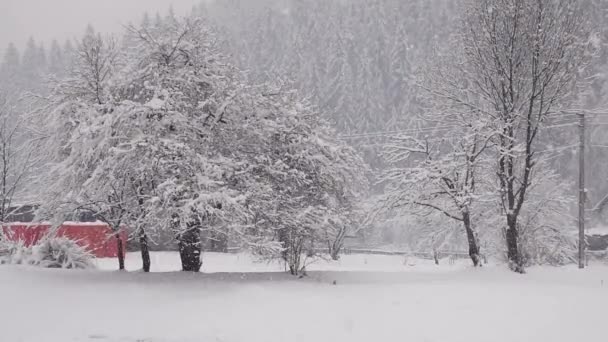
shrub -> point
(60, 252)
(14, 252)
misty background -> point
(66, 19)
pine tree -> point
(56, 60)
(10, 69)
(30, 69)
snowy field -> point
(220, 262)
(375, 298)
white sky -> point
(46, 20)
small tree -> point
(95, 62)
(17, 159)
(447, 178)
(313, 180)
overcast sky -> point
(46, 20)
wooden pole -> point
(581, 193)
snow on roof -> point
(66, 223)
(96, 223)
(19, 223)
(600, 230)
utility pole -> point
(581, 192)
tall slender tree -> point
(521, 62)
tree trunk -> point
(145, 250)
(190, 250)
(515, 260)
(335, 247)
(293, 247)
(121, 253)
(334, 250)
(284, 240)
(310, 251)
(436, 256)
(295, 257)
(334, 253)
(472, 240)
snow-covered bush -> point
(14, 252)
(55, 252)
(60, 252)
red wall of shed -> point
(98, 239)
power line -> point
(564, 115)
(562, 125)
(393, 133)
(561, 148)
(425, 130)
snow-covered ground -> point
(220, 262)
(375, 298)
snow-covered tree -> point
(17, 158)
(316, 181)
(186, 89)
(523, 59)
(447, 178)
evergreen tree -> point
(56, 60)
(10, 69)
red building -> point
(96, 237)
